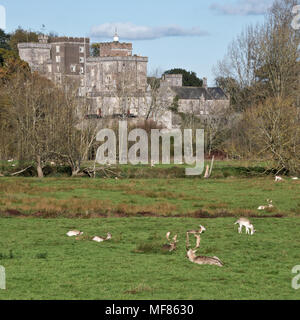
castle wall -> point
(105, 74)
(115, 49)
(35, 54)
(171, 80)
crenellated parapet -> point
(69, 40)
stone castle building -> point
(115, 81)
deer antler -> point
(168, 236)
(198, 239)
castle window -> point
(57, 49)
(49, 68)
(58, 69)
(81, 59)
(58, 59)
(82, 82)
(81, 70)
(73, 68)
(81, 49)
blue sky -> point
(190, 34)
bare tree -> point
(33, 117)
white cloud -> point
(130, 31)
(243, 7)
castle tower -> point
(36, 54)
(116, 37)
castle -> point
(115, 80)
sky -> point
(193, 35)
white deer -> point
(270, 205)
(101, 239)
(278, 178)
(247, 224)
(73, 233)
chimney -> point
(205, 83)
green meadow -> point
(43, 263)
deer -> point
(191, 254)
(247, 224)
(100, 239)
(171, 246)
(73, 233)
(278, 178)
(270, 205)
(201, 230)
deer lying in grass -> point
(278, 178)
(246, 223)
(171, 246)
(270, 205)
(191, 254)
(199, 231)
(100, 239)
(73, 233)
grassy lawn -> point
(159, 197)
(43, 263)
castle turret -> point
(116, 37)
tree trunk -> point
(75, 172)
(39, 167)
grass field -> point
(54, 197)
(43, 263)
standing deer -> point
(247, 224)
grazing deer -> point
(73, 233)
(100, 239)
(191, 254)
(172, 245)
(246, 223)
(201, 230)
